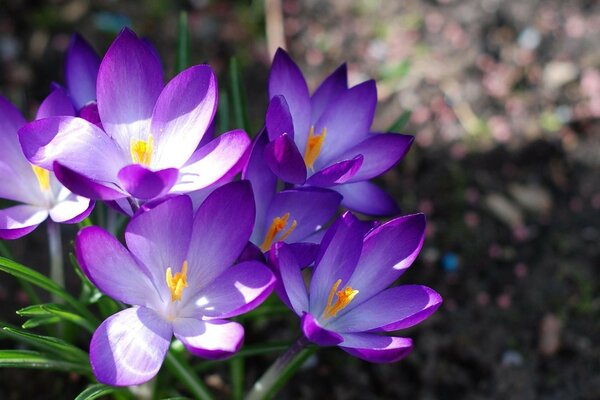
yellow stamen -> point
(141, 150)
(177, 283)
(313, 147)
(278, 225)
(43, 177)
(344, 297)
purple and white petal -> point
(316, 333)
(56, 104)
(70, 208)
(375, 348)
(129, 82)
(367, 198)
(18, 221)
(112, 268)
(182, 115)
(332, 88)
(129, 347)
(338, 173)
(284, 159)
(81, 70)
(388, 251)
(86, 187)
(215, 340)
(145, 184)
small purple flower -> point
(325, 139)
(348, 303)
(38, 190)
(177, 274)
(147, 146)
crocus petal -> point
(81, 70)
(380, 153)
(56, 104)
(213, 162)
(129, 347)
(339, 253)
(347, 121)
(279, 119)
(284, 159)
(317, 334)
(129, 82)
(112, 268)
(221, 229)
(160, 238)
(286, 79)
(74, 143)
(90, 113)
(71, 209)
(328, 92)
(290, 287)
(388, 251)
(375, 348)
(237, 290)
(144, 184)
(216, 339)
(395, 308)
(18, 221)
(367, 198)
(311, 208)
(183, 112)
(337, 173)
(305, 252)
(83, 186)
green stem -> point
(236, 366)
(57, 272)
(112, 221)
(183, 371)
(281, 370)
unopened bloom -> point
(348, 302)
(178, 274)
(147, 146)
(326, 140)
(37, 189)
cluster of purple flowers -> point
(201, 245)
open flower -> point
(177, 273)
(325, 139)
(348, 303)
(37, 189)
(147, 146)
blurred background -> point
(504, 102)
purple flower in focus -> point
(348, 303)
(38, 190)
(325, 139)
(177, 274)
(81, 72)
(147, 146)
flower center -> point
(313, 147)
(344, 297)
(43, 177)
(177, 283)
(278, 225)
(141, 150)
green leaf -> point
(401, 122)
(51, 344)
(240, 114)
(34, 359)
(183, 371)
(40, 321)
(56, 311)
(31, 276)
(96, 391)
(182, 59)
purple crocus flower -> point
(81, 71)
(325, 139)
(348, 303)
(147, 146)
(177, 274)
(39, 192)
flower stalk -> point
(57, 273)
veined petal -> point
(284, 159)
(213, 162)
(18, 221)
(112, 268)
(286, 79)
(375, 348)
(395, 308)
(292, 288)
(129, 347)
(145, 184)
(182, 115)
(57, 103)
(81, 70)
(366, 198)
(217, 339)
(332, 88)
(129, 82)
(236, 291)
(388, 251)
(337, 173)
